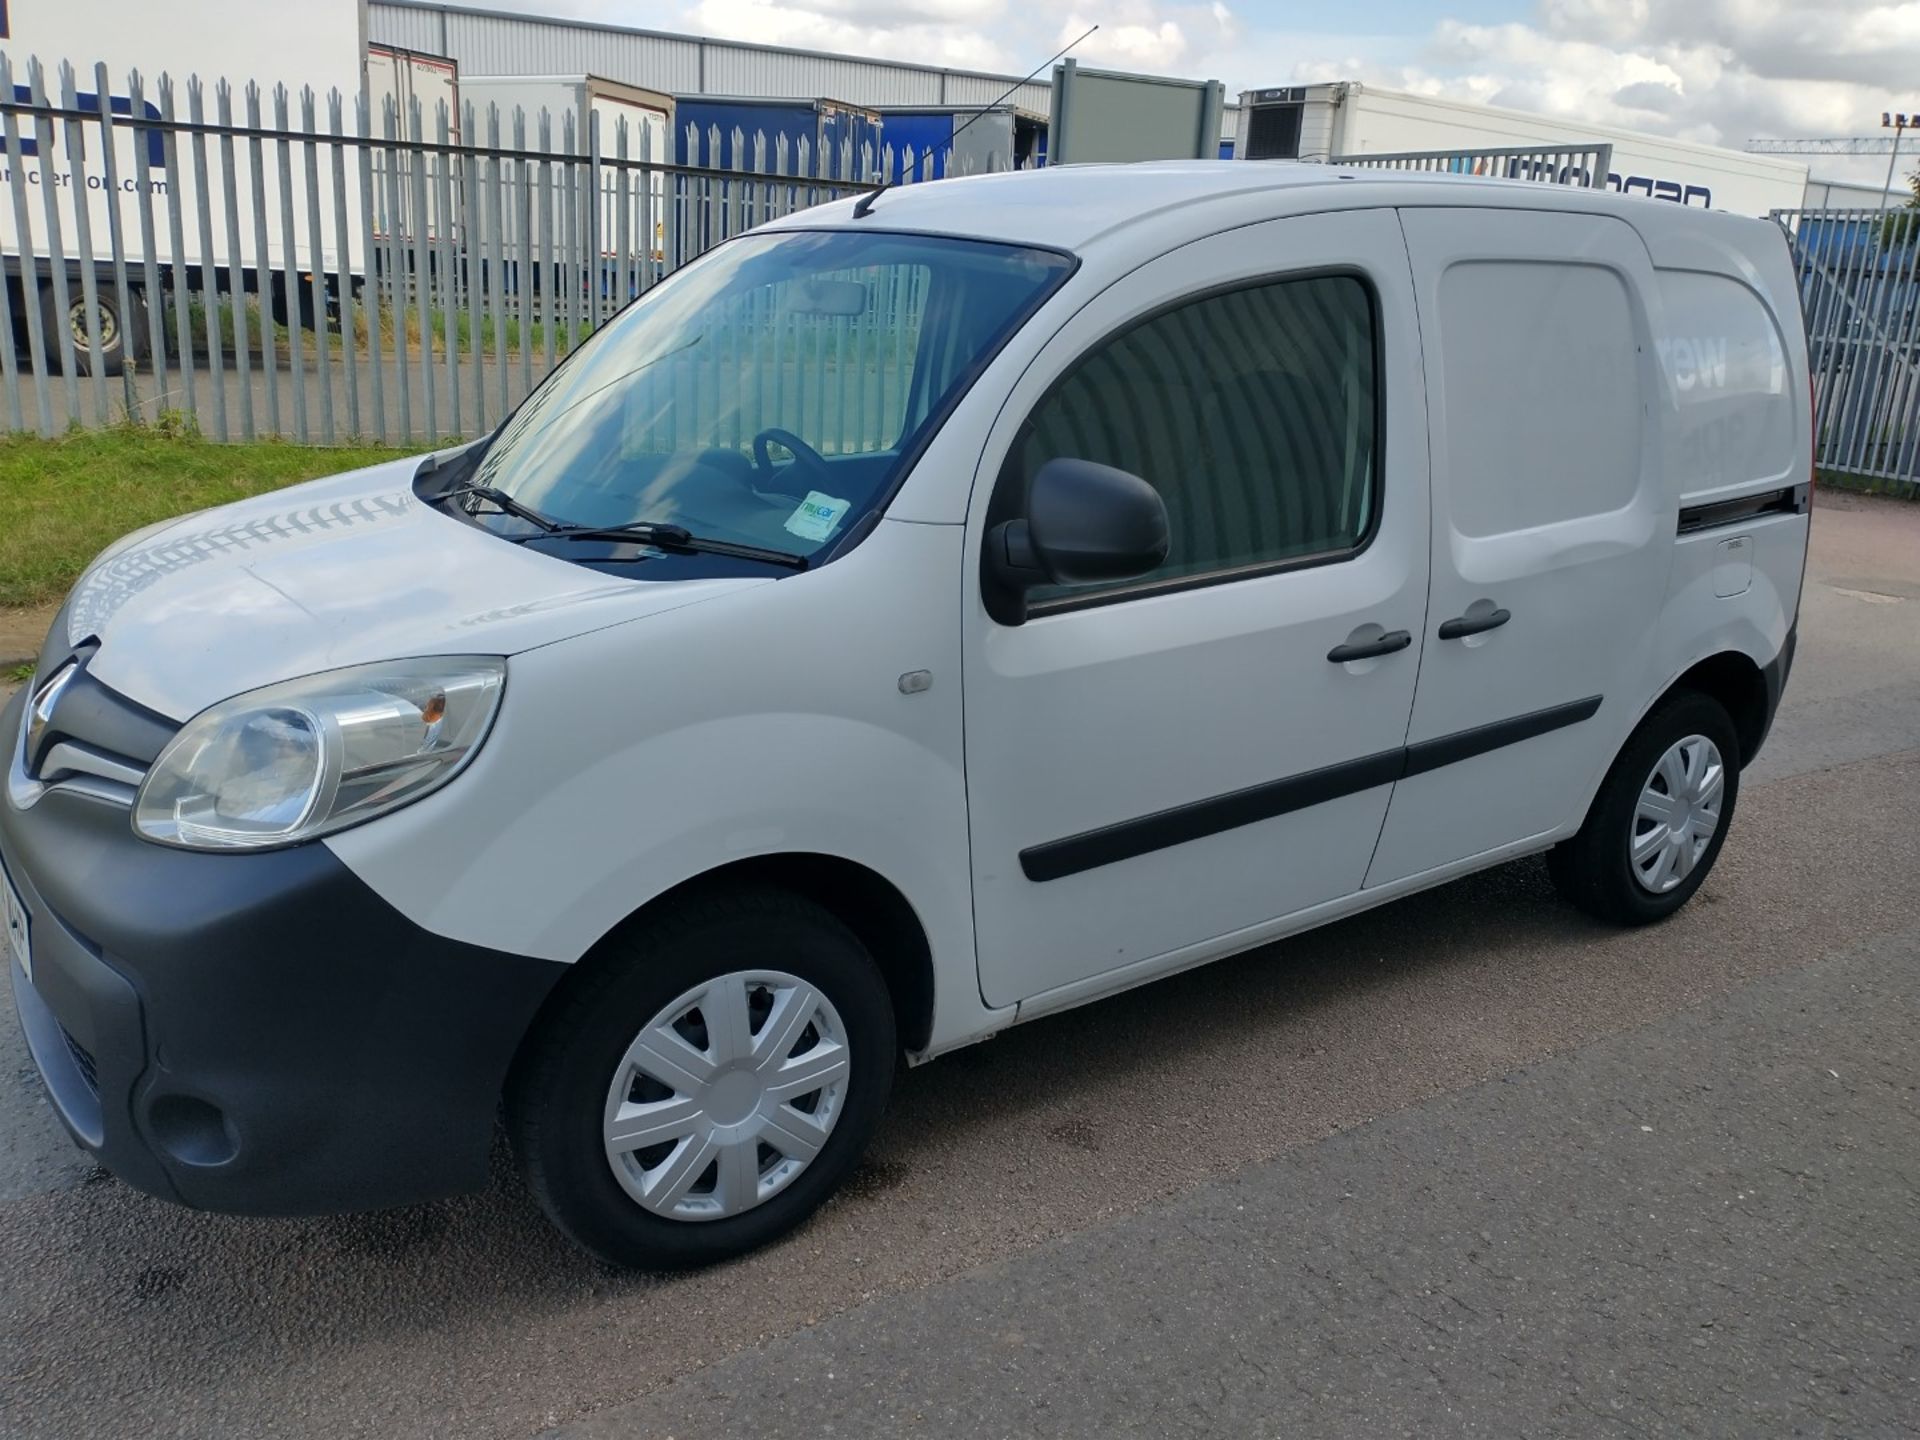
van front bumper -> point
(254, 1033)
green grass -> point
(258, 327)
(62, 501)
(16, 675)
(1869, 484)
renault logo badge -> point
(40, 709)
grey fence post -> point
(236, 259)
(29, 266)
(649, 226)
(9, 360)
(595, 248)
(56, 255)
(570, 232)
(177, 239)
(397, 261)
(496, 260)
(549, 273)
(622, 226)
(343, 265)
(472, 250)
(447, 258)
(83, 243)
(370, 257)
(523, 271)
(209, 263)
(422, 286)
(290, 268)
(262, 261)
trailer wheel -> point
(116, 329)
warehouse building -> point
(490, 42)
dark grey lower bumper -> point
(255, 1033)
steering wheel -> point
(805, 457)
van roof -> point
(1071, 206)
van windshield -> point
(769, 394)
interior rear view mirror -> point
(816, 296)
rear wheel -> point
(1661, 816)
(117, 330)
(706, 1082)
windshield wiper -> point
(506, 502)
(671, 537)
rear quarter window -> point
(1729, 399)
(1541, 378)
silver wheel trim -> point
(726, 1095)
(1677, 814)
(109, 325)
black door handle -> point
(1367, 649)
(1463, 625)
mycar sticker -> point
(816, 516)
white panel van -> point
(919, 615)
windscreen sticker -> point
(818, 516)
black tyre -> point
(705, 1080)
(1660, 818)
(117, 330)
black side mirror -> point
(1085, 523)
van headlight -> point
(310, 756)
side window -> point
(1542, 393)
(1253, 412)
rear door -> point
(1158, 766)
(1553, 526)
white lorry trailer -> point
(406, 77)
(647, 117)
(317, 46)
(1320, 122)
(648, 113)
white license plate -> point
(14, 913)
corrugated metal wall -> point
(489, 43)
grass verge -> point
(1870, 484)
(62, 501)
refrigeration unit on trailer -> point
(1321, 122)
(314, 46)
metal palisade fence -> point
(1860, 288)
(257, 264)
(1582, 166)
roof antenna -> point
(865, 202)
(1023, 80)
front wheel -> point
(1661, 816)
(706, 1081)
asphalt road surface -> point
(1468, 1164)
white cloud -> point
(1139, 45)
(927, 32)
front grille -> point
(83, 1061)
(93, 732)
